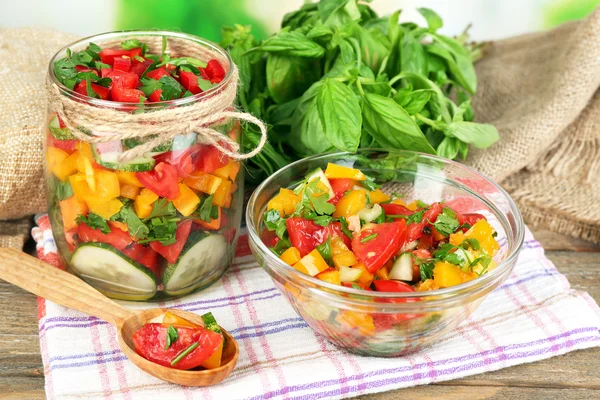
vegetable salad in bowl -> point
(165, 223)
(383, 251)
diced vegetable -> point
(403, 268)
(291, 256)
(351, 203)
(312, 263)
(335, 171)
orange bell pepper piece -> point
(171, 319)
(377, 196)
(214, 361)
(351, 203)
(80, 186)
(70, 209)
(330, 275)
(312, 263)
(222, 197)
(107, 185)
(356, 320)
(341, 255)
(285, 202)
(119, 225)
(129, 191)
(229, 171)
(335, 171)
(128, 178)
(203, 182)
(187, 201)
(291, 256)
(103, 207)
(213, 225)
(55, 157)
(143, 203)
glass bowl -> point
(419, 318)
(118, 262)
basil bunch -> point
(337, 76)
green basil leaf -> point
(391, 126)
(373, 50)
(289, 77)
(479, 135)
(62, 190)
(448, 148)
(413, 57)
(415, 101)
(340, 115)
(307, 133)
(338, 12)
(434, 22)
(325, 250)
(292, 44)
(459, 62)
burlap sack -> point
(538, 89)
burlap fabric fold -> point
(538, 89)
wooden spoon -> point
(61, 287)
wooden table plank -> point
(572, 376)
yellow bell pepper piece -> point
(291, 256)
(203, 182)
(222, 196)
(171, 319)
(107, 185)
(351, 203)
(377, 196)
(129, 191)
(187, 201)
(335, 171)
(383, 273)
(446, 274)
(214, 361)
(341, 255)
(483, 232)
(366, 278)
(312, 263)
(85, 149)
(103, 207)
(428, 284)
(128, 178)
(70, 209)
(413, 206)
(229, 171)
(356, 320)
(143, 203)
(84, 166)
(54, 158)
(285, 202)
(330, 275)
(67, 167)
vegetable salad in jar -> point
(163, 224)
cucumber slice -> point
(58, 132)
(113, 273)
(133, 142)
(319, 174)
(110, 160)
(198, 264)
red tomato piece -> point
(65, 145)
(126, 95)
(415, 230)
(172, 251)
(189, 80)
(122, 63)
(155, 96)
(101, 91)
(107, 56)
(209, 159)
(469, 219)
(157, 73)
(396, 209)
(71, 238)
(214, 70)
(116, 237)
(162, 180)
(340, 186)
(139, 67)
(183, 160)
(423, 254)
(123, 79)
(302, 234)
(377, 251)
(150, 342)
(382, 321)
(144, 255)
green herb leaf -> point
(368, 238)
(274, 223)
(345, 230)
(204, 84)
(433, 19)
(62, 190)
(133, 44)
(446, 223)
(206, 211)
(136, 227)
(184, 353)
(149, 85)
(325, 250)
(162, 208)
(340, 115)
(94, 221)
(171, 89)
(282, 245)
(323, 220)
(479, 135)
(426, 270)
(172, 337)
(471, 242)
(292, 44)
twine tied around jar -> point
(197, 115)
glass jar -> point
(161, 226)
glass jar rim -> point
(100, 38)
(437, 296)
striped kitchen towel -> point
(532, 316)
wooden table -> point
(572, 376)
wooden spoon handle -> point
(61, 287)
